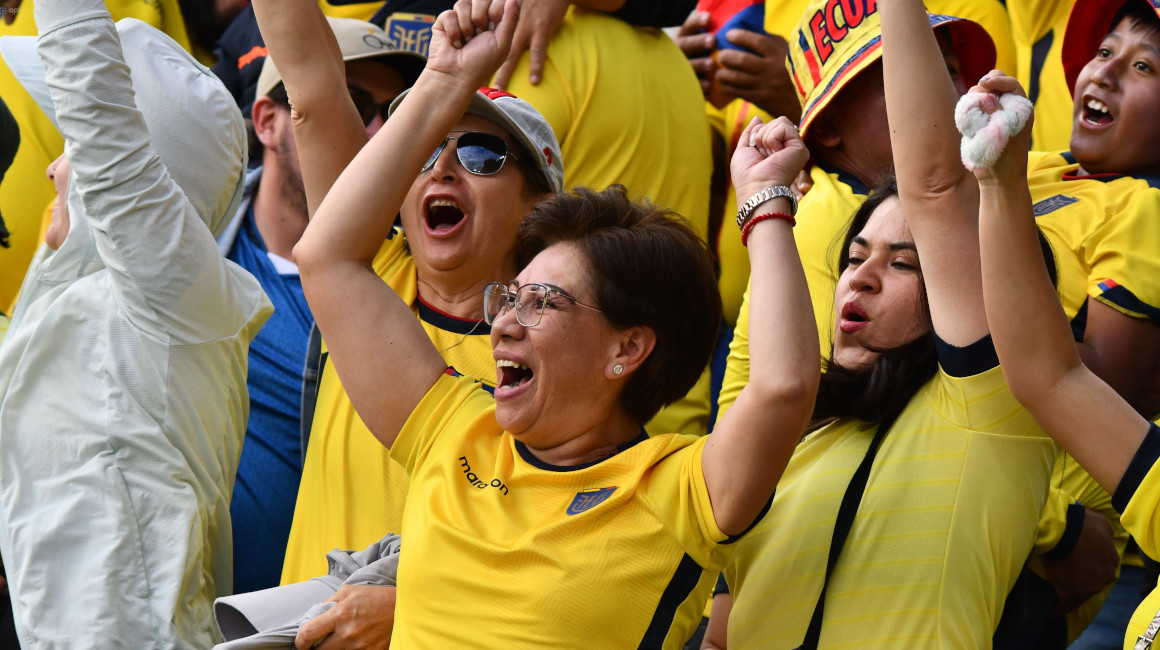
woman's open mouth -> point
(853, 318)
(442, 216)
(512, 374)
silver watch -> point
(769, 193)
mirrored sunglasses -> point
(482, 154)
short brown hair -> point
(647, 268)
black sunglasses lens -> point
(481, 153)
(366, 107)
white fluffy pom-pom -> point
(986, 136)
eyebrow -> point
(894, 246)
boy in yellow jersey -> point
(1038, 27)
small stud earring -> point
(617, 369)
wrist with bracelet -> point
(747, 219)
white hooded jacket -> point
(123, 374)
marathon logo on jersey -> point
(589, 499)
(410, 32)
(830, 24)
(1051, 204)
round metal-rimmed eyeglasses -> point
(529, 301)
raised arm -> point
(938, 196)
(748, 450)
(383, 357)
(327, 128)
(1032, 336)
(151, 236)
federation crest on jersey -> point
(1053, 203)
(410, 32)
(589, 499)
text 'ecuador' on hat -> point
(834, 41)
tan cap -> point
(357, 39)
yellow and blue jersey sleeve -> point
(1124, 253)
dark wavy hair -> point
(882, 390)
(647, 267)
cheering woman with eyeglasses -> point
(543, 516)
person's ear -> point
(266, 118)
(633, 348)
(824, 132)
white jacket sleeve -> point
(168, 276)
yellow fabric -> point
(1142, 519)
(657, 146)
(26, 190)
(361, 11)
(598, 67)
(351, 493)
(946, 522)
(1042, 23)
(498, 548)
(823, 216)
(1104, 232)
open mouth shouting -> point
(1096, 113)
(853, 318)
(512, 375)
(442, 215)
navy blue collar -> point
(528, 456)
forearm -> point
(783, 338)
(1031, 333)
(143, 225)
(309, 73)
(327, 128)
(767, 420)
(920, 102)
(1035, 346)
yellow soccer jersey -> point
(823, 216)
(1105, 235)
(946, 522)
(504, 550)
(1138, 497)
(598, 66)
(26, 189)
(1037, 27)
(658, 146)
(351, 493)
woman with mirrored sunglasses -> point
(543, 515)
(459, 230)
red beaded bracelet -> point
(762, 217)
